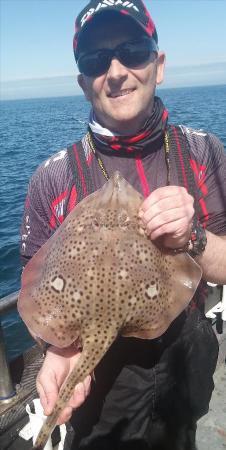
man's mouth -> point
(121, 93)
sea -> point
(33, 129)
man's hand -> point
(167, 214)
(57, 366)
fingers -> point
(164, 199)
(80, 393)
(165, 192)
(48, 392)
(179, 232)
(168, 211)
(175, 220)
(155, 220)
(55, 369)
(65, 415)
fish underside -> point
(99, 276)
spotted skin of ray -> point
(99, 276)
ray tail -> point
(93, 351)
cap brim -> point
(103, 12)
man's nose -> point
(117, 70)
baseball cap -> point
(134, 9)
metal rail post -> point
(6, 387)
(7, 391)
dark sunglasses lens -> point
(95, 64)
(132, 54)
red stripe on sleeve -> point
(200, 174)
(205, 212)
(142, 176)
(56, 216)
(72, 200)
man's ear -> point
(83, 85)
(160, 67)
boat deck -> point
(211, 434)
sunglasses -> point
(131, 54)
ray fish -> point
(99, 276)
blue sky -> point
(36, 44)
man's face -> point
(122, 97)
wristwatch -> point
(198, 240)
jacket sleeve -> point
(35, 228)
(208, 162)
(46, 203)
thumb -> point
(48, 393)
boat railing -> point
(218, 310)
(7, 391)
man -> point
(146, 394)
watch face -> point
(198, 240)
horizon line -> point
(76, 72)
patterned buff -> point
(152, 131)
